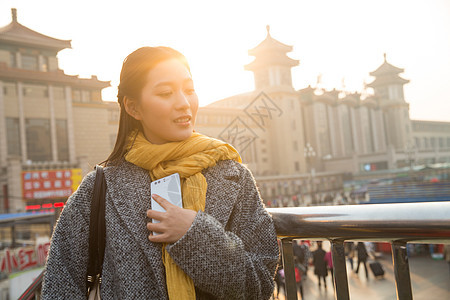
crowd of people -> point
(335, 198)
(308, 254)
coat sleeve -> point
(235, 263)
(66, 267)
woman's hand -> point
(173, 223)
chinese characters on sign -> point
(50, 184)
(23, 258)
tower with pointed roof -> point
(388, 92)
(271, 66)
(388, 85)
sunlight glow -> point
(342, 40)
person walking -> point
(320, 265)
(329, 260)
(447, 254)
(362, 257)
(221, 244)
(299, 271)
(350, 252)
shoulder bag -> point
(97, 231)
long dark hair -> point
(133, 78)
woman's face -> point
(169, 104)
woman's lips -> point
(183, 121)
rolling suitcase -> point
(377, 269)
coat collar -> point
(223, 189)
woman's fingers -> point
(161, 201)
(159, 238)
(154, 214)
(174, 221)
(155, 227)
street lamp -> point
(309, 156)
(410, 153)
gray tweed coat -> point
(230, 251)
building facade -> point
(296, 142)
(283, 132)
(53, 127)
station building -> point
(54, 127)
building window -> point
(44, 66)
(29, 62)
(448, 142)
(417, 141)
(441, 142)
(85, 96)
(433, 142)
(35, 91)
(38, 139)
(62, 140)
(13, 136)
(9, 89)
(81, 95)
(96, 96)
(393, 92)
(76, 95)
(297, 166)
(12, 60)
(346, 129)
(58, 93)
(425, 143)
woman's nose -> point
(182, 101)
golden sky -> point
(338, 39)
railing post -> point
(339, 270)
(289, 271)
(401, 270)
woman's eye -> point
(190, 91)
(165, 94)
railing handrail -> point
(399, 223)
(425, 222)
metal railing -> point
(426, 222)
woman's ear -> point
(131, 107)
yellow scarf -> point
(188, 158)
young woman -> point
(220, 245)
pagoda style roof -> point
(54, 77)
(387, 74)
(386, 80)
(271, 60)
(352, 99)
(269, 44)
(307, 90)
(386, 68)
(369, 102)
(17, 34)
(270, 52)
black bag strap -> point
(97, 228)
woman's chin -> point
(183, 135)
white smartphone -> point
(169, 188)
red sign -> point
(23, 258)
(49, 184)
